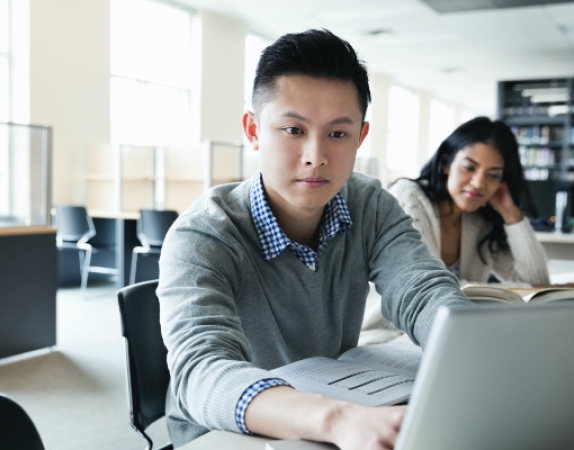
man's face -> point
(307, 135)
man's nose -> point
(314, 153)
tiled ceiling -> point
(458, 56)
(446, 6)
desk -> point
(557, 245)
(28, 284)
(223, 440)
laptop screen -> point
(495, 377)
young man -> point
(276, 269)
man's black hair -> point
(315, 53)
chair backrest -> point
(16, 427)
(147, 372)
(153, 226)
(73, 223)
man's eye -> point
(293, 130)
(338, 134)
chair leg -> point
(86, 270)
(133, 268)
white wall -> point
(221, 83)
(379, 84)
(70, 84)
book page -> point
(397, 357)
(542, 295)
(346, 381)
(491, 293)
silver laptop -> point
(493, 377)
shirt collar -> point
(273, 239)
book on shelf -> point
(371, 375)
(479, 293)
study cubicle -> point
(28, 256)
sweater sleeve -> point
(208, 352)
(413, 283)
(527, 261)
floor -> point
(76, 393)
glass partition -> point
(25, 175)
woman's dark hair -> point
(315, 53)
(433, 179)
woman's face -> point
(474, 176)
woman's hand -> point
(503, 204)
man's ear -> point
(250, 128)
(364, 131)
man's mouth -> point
(313, 181)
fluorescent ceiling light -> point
(546, 95)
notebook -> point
(493, 377)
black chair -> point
(74, 229)
(17, 431)
(152, 227)
(147, 372)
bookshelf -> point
(540, 114)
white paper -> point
(346, 381)
(397, 357)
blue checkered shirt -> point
(273, 241)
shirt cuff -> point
(249, 394)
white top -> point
(525, 263)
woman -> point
(468, 203)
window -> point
(5, 55)
(403, 125)
(150, 73)
(441, 125)
(14, 92)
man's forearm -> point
(285, 413)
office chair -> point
(74, 229)
(16, 427)
(152, 227)
(147, 373)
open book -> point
(372, 375)
(509, 294)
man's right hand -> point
(284, 413)
(357, 427)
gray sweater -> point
(228, 317)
